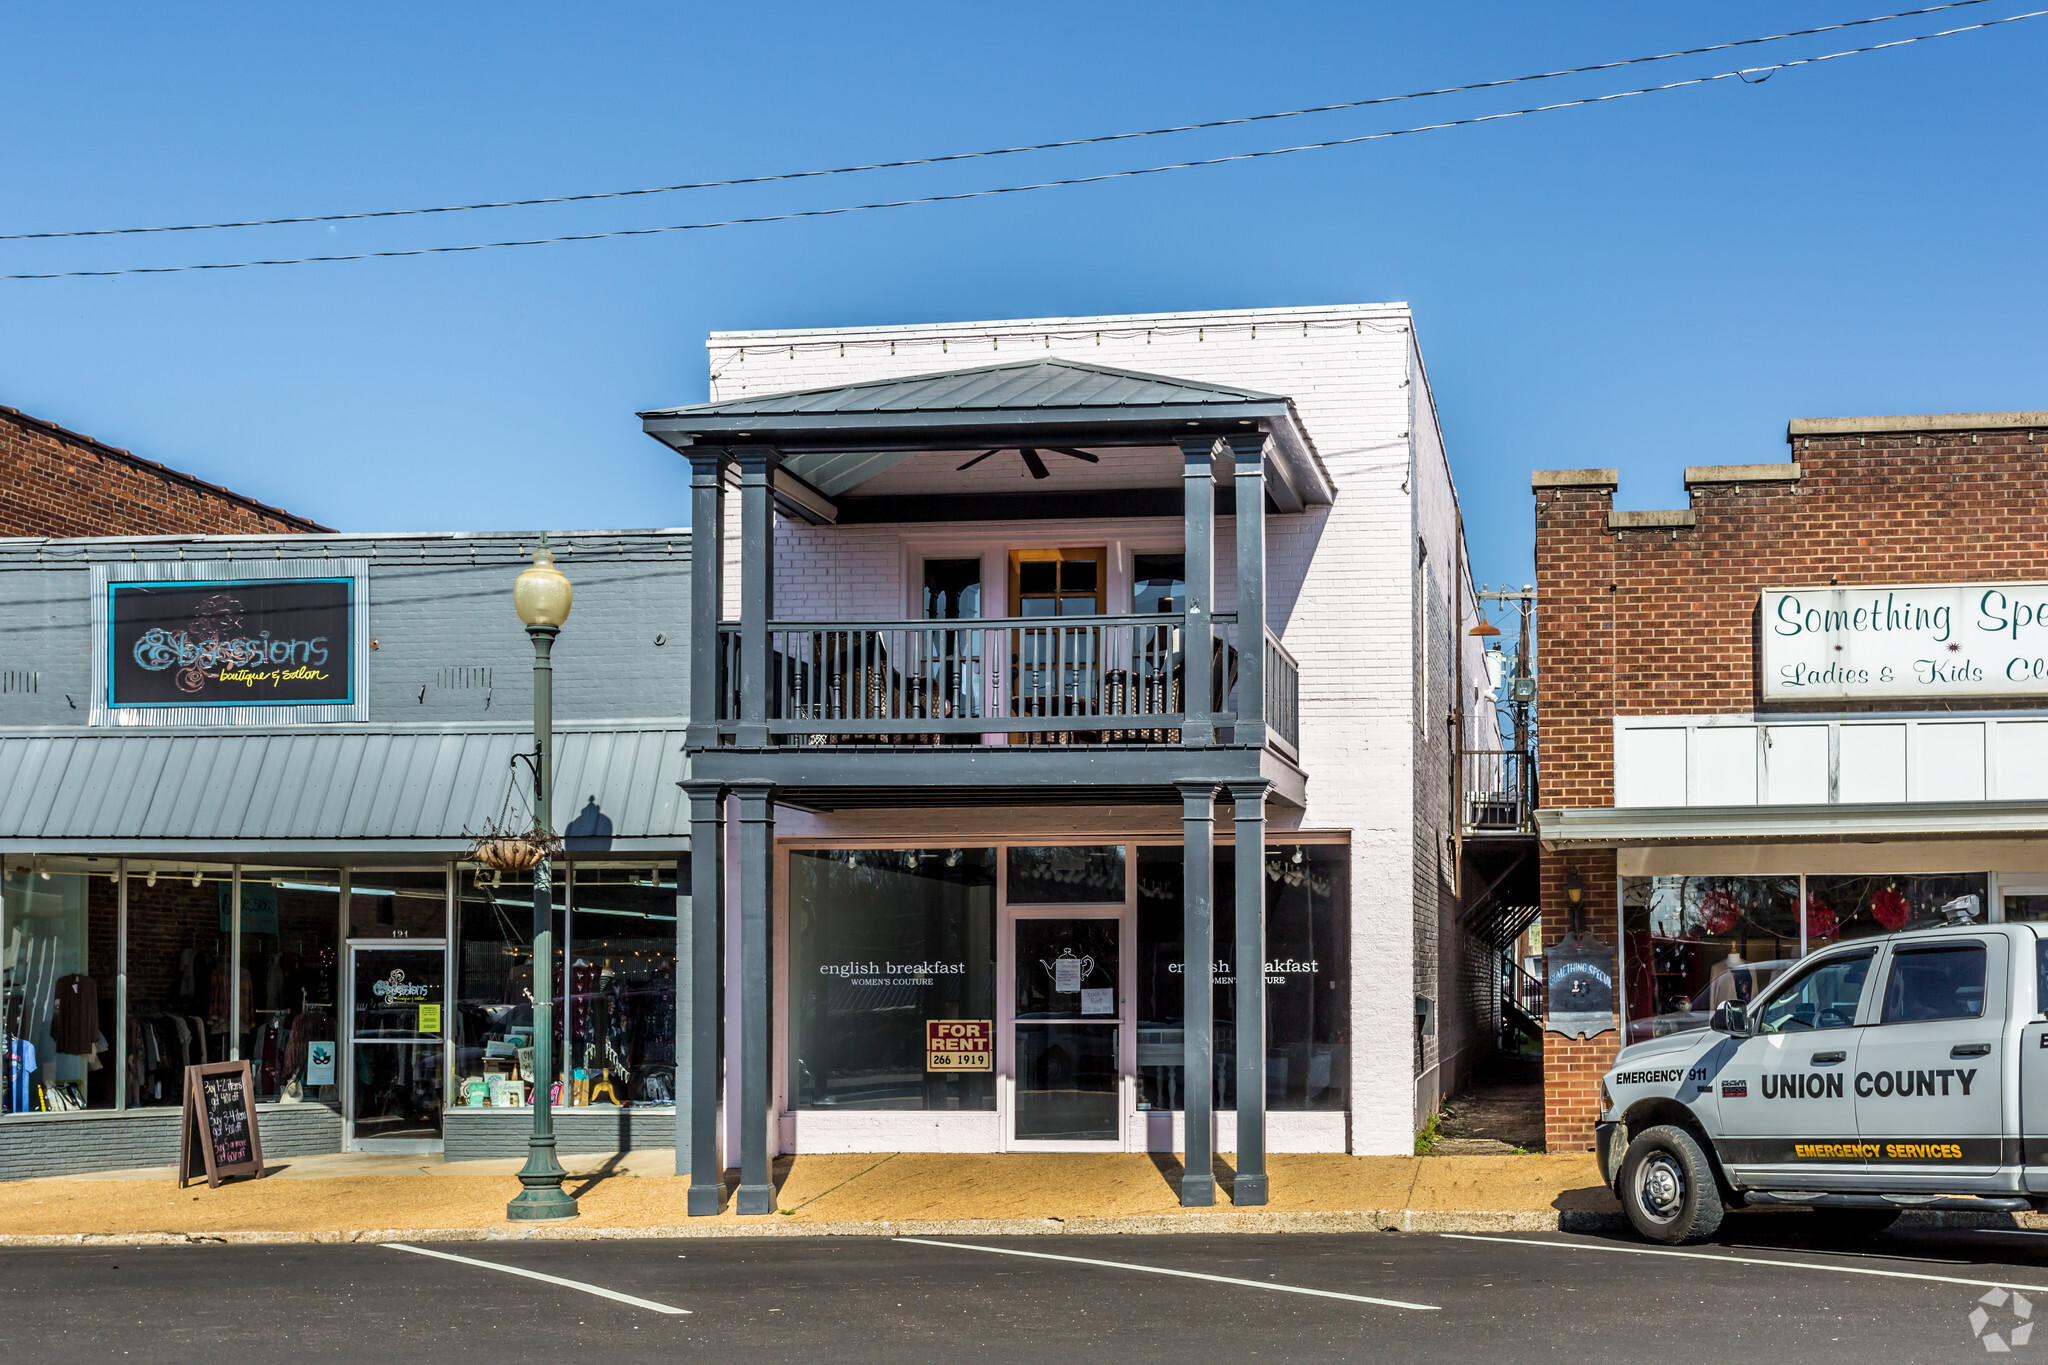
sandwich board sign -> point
(218, 1133)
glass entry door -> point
(1068, 1030)
(397, 1058)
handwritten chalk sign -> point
(219, 1133)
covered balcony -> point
(1058, 667)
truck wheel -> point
(1855, 1225)
(1668, 1187)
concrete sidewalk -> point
(368, 1198)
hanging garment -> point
(76, 1026)
(21, 1064)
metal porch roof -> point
(858, 430)
(358, 788)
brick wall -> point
(55, 482)
(1661, 619)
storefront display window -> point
(291, 971)
(492, 1028)
(621, 999)
(1839, 908)
(1308, 1003)
(885, 943)
(1690, 943)
(56, 1007)
(1066, 876)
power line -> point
(999, 151)
(1750, 75)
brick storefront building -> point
(55, 482)
(1806, 707)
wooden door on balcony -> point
(1055, 671)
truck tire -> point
(1855, 1225)
(1668, 1187)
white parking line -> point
(1749, 1260)
(614, 1295)
(1182, 1274)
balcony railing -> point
(1499, 787)
(1036, 680)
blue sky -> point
(1648, 283)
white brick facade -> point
(1344, 586)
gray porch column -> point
(1249, 898)
(707, 591)
(757, 894)
(1198, 517)
(1198, 958)
(700, 961)
(1250, 455)
(757, 587)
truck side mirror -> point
(1731, 1017)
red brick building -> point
(55, 482)
(1811, 705)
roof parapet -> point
(1574, 478)
(1660, 520)
(1696, 474)
(1933, 421)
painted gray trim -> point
(598, 1130)
(1198, 991)
(107, 572)
(756, 1193)
(699, 1135)
(38, 1145)
(757, 588)
(1198, 541)
(1249, 453)
(1249, 957)
(707, 593)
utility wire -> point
(974, 156)
(1749, 75)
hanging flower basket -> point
(1890, 909)
(513, 851)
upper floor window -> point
(1057, 582)
(1159, 584)
(952, 589)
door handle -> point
(1970, 1050)
(1828, 1058)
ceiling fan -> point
(1032, 461)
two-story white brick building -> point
(944, 726)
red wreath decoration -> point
(1719, 913)
(1890, 909)
(1822, 924)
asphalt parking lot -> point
(1769, 1285)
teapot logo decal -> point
(1068, 971)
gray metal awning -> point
(838, 437)
(329, 790)
(1618, 827)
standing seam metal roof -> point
(385, 784)
(1020, 385)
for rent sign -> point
(1929, 641)
(959, 1044)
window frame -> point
(1792, 979)
(1878, 1003)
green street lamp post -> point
(541, 596)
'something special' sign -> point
(256, 642)
(1933, 642)
(959, 1044)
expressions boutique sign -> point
(186, 643)
(1920, 642)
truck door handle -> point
(1970, 1050)
(1826, 1058)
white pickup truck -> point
(1879, 1075)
